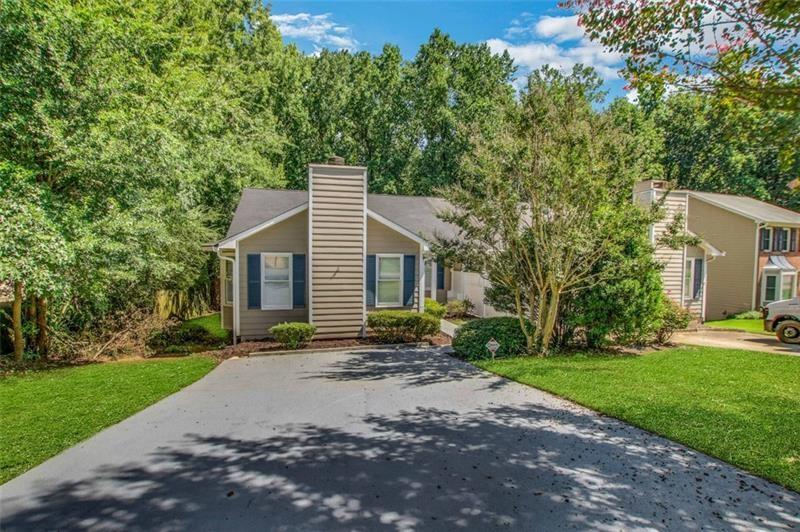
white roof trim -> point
(228, 242)
(399, 228)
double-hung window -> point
(766, 238)
(783, 239)
(389, 280)
(787, 285)
(227, 275)
(276, 292)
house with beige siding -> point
(748, 254)
(327, 255)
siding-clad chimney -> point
(337, 240)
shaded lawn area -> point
(45, 412)
(740, 406)
(754, 326)
(210, 323)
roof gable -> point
(416, 214)
(754, 209)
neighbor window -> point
(227, 273)
(277, 281)
(688, 279)
(766, 238)
(389, 280)
(770, 288)
(783, 239)
(787, 285)
(430, 271)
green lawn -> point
(740, 406)
(212, 324)
(754, 326)
(44, 412)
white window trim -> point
(227, 298)
(378, 258)
(761, 242)
(688, 263)
(264, 281)
(792, 287)
(787, 234)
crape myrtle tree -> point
(548, 215)
(748, 50)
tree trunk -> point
(42, 337)
(16, 317)
(549, 322)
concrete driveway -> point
(381, 441)
(735, 340)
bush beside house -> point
(434, 308)
(459, 308)
(293, 335)
(402, 325)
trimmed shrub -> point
(178, 335)
(434, 308)
(671, 317)
(402, 325)
(459, 308)
(749, 315)
(293, 335)
(471, 338)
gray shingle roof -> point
(752, 208)
(417, 214)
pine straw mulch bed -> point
(246, 348)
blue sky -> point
(534, 32)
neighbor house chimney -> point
(337, 244)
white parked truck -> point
(783, 318)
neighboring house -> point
(327, 255)
(748, 254)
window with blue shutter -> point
(254, 281)
(440, 276)
(298, 281)
(409, 265)
(370, 280)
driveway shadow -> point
(411, 367)
(524, 467)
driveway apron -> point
(382, 440)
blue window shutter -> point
(298, 281)
(254, 281)
(439, 276)
(409, 262)
(698, 277)
(370, 280)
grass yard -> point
(45, 412)
(211, 323)
(753, 326)
(740, 406)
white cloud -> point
(556, 41)
(559, 29)
(321, 30)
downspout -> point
(759, 225)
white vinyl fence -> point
(466, 285)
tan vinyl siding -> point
(730, 278)
(672, 259)
(383, 239)
(227, 316)
(338, 205)
(288, 236)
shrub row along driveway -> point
(376, 440)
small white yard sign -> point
(492, 345)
